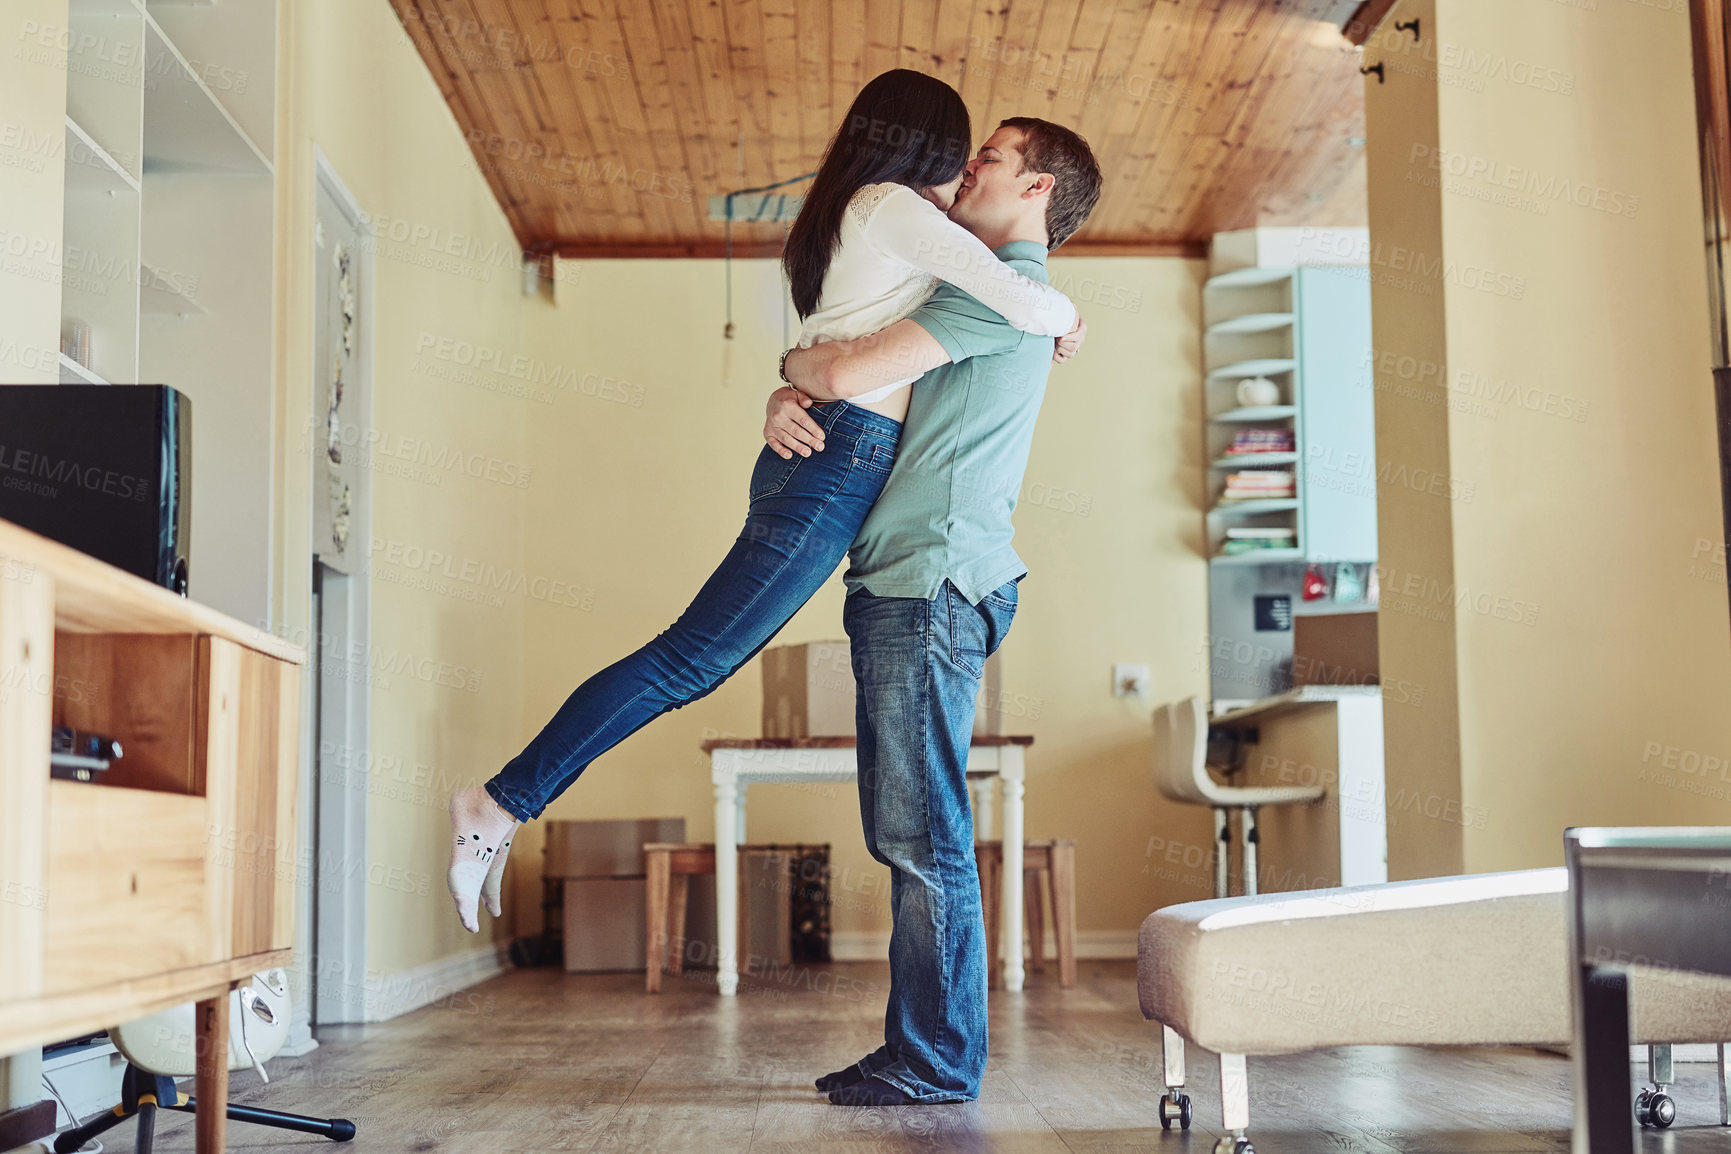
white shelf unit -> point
(73, 373)
(168, 247)
(1254, 414)
(1251, 323)
(1253, 460)
(1248, 332)
(1308, 330)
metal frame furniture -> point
(1181, 773)
(1641, 900)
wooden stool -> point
(1057, 860)
(668, 869)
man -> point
(931, 593)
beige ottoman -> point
(1460, 961)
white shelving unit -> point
(1251, 323)
(1289, 325)
(1254, 414)
(73, 373)
(1244, 460)
(1248, 316)
(1256, 367)
(168, 247)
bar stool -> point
(1057, 860)
(1181, 773)
(668, 870)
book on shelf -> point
(1239, 545)
(1249, 441)
(1261, 484)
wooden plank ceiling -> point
(604, 126)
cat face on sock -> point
(473, 841)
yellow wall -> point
(638, 502)
(354, 86)
(638, 465)
(1415, 534)
(1592, 661)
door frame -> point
(340, 758)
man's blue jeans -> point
(918, 666)
(804, 514)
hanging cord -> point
(780, 208)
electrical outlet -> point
(1129, 681)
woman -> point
(869, 246)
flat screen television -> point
(104, 469)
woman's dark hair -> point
(905, 127)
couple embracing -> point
(899, 441)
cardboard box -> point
(1335, 649)
(606, 926)
(604, 849)
(808, 691)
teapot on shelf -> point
(1258, 391)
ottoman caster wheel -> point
(1231, 1145)
(1655, 1108)
(1175, 1107)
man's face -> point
(991, 192)
(944, 195)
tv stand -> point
(173, 877)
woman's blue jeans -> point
(804, 514)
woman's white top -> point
(895, 247)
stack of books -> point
(1249, 540)
(1249, 441)
(1259, 485)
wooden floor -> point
(539, 1060)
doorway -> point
(331, 970)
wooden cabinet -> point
(173, 876)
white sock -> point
(496, 875)
(479, 828)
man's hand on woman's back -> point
(787, 429)
(1067, 344)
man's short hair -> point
(1048, 147)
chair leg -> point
(1063, 882)
(1234, 1096)
(1175, 1103)
(1222, 850)
(658, 867)
(1172, 1051)
(1724, 1088)
(991, 893)
(1036, 920)
(744, 890)
(1250, 842)
(678, 896)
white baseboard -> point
(88, 1078)
(441, 980)
(874, 945)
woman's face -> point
(944, 195)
